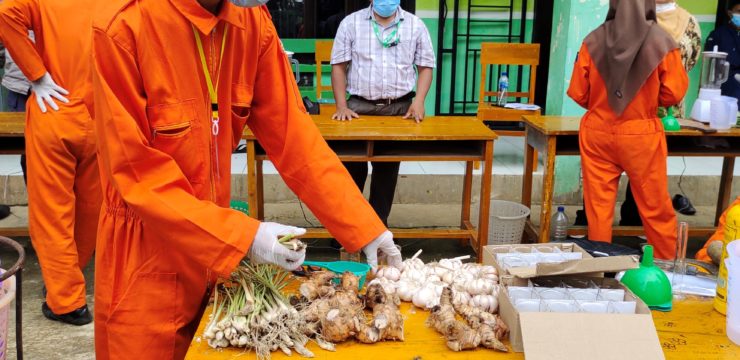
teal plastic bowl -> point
(340, 267)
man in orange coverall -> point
(63, 179)
(625, 69)
(175, 83)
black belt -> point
(380, 102)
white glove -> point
(384, 244)
(46, 89)
(267, 250)
(737, 77)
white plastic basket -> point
(7, 294)
(507, 221)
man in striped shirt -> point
(379, 55)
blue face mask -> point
(385, 8)
(736, 19)
(249, 3)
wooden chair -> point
(323, 55)
(509, 55)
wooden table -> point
(557, 135)
(385, 138)
(693, 330)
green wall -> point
(573, 19)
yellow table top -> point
(693, 330)
(569, 125)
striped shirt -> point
(376, 72)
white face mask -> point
(249, 3)
(659, 8)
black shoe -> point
(581, 219)
(4, 211)
(78, 317)
(683, 205)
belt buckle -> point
(384, 102)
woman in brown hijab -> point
(625, 69)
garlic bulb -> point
(479, 287)
(425, 298)
(406, 290)
(448, 277)
(487, 303)
(451, 264)
(460, 298)
(389, 272)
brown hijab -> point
(627, 48)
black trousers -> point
(385, 174)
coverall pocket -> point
(176, 132)
(145, 317)
(241, 108)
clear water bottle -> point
(503, 89)
(559, 225)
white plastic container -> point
(733, 291)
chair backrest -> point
(509, 54)
(323, 55)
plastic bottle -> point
(732, 232)
(503, 89)
(732, 266)
(559, 225)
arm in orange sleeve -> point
(579, 89)
(16, 18)
(673, 79)
(306, 163)
(150, 181)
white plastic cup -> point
(595, 307)
(528, 305)
(732, 262)
(561, 306)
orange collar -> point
(204, 21)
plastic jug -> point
(650, 283)
(732, 233)
(731, 103)
(732, 266)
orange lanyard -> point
(207, 74)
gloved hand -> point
(46, 89)
(383, 243)
(267, 250)
(737, 77)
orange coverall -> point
(166, 230)
(719, 234)
(633, 143)
(64, 193)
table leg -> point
(485, 198)
(529, 158)
(252, 180)
(260, 192)
(548, 182)
(725, 187)
(466, 200)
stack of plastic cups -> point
(732, 262)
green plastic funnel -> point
(650, 283)
(670, 123)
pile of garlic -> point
(472, 284)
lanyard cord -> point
(391, 39)
(207, 74)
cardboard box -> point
(587, 266)
(573, 336)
